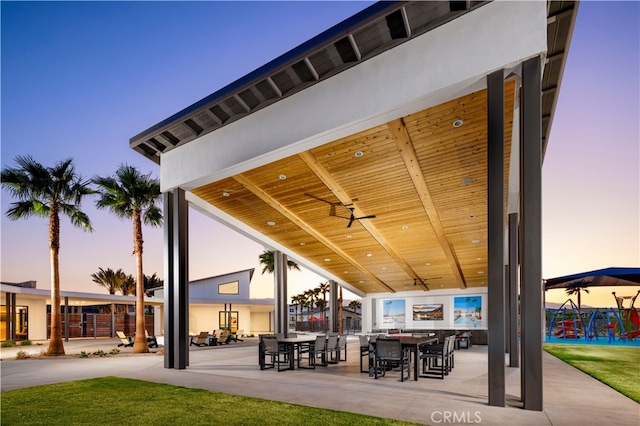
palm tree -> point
(48, 192)
(296, 301)
(267, 259)
(132, 195)
(108, 278)
(355, 305)
(324, 289)
(152, 281)
(308, 303)
(577, 288)
(127, 284)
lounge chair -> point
(200, 339)
(151, 340)
(236, 337)
(224, 337)
(126, 341)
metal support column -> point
(167, 203)
(66, 319)
(176, 280)
(9, 326)
(495, 203)
(333, 306)
(531, 233)
(280, 292)
(514, 358)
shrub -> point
(26, 342)
(83, 354)
(114, 352)
(7, 344)
(22, 355)
(100, 353)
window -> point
(229, 288)
(228, 317)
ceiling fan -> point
(332, 210)
(353, 218)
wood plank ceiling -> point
(423, 179)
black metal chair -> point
(437, 359)
(314, 350)
(365, 351)
(389, 354)
(273, 352)
(333, 356)
(342, 347)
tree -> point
(324, 289)
(355, 305)
(130, 194)
(127, 285)
(267, 259)
(577, 288)
(109, 279)
(296, 301)
(152, 281)
(48, 192)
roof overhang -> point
(362, 117)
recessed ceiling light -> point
(475, 241)
(283, 177)
(458, 123)
(271, 223)
(369, 254)
(225, 194)
(428, 264)
(472, 216)
(466, 180)
(303, 244)
(326, 259)
(405, 227)
(480, 272)
(348, 236)
(478, 258)
(360, 281)
(441, 285)
(358, 153)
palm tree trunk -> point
(56, 347)
(140, 345)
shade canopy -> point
(608, 277)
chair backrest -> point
(122, 336)
(389, 349)
(320, 343)
(292, 335)
(364, 341)
(342, 341)
(270, 343)
(332, 342)
(239, 333)
(224, 335)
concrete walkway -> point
(570, 396)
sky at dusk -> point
(79, 79)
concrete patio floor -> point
(570, 396)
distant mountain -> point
(554, 305)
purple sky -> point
(80, 78)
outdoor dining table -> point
(290, 343)
(412, 343)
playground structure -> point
(569, 322)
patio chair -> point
(236, 337)
(342, 347)
(273, 352)
(389, 354)
(224, 337)
(151, 340)
(332, 354)
(126, 341)
(200, 339)
(437, 359)
(365, 351)
(315, 350)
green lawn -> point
(615, 366)
(116, 401)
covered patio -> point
(398, 154)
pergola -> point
(399, 150)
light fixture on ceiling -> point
(271, 223)
(358, 154)
(472, 216)
(475, 241)
(480, 272)
(326, 259)
(467, 180)
(303, 244)
(369, 254)
(405, 227)
(458, 122)
(225, 194)
(348, 236)
(283, 177)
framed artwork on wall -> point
(428, 312)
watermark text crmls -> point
(468, 417)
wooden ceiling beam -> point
(264, 196)
(408, 153)
(342, 196)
